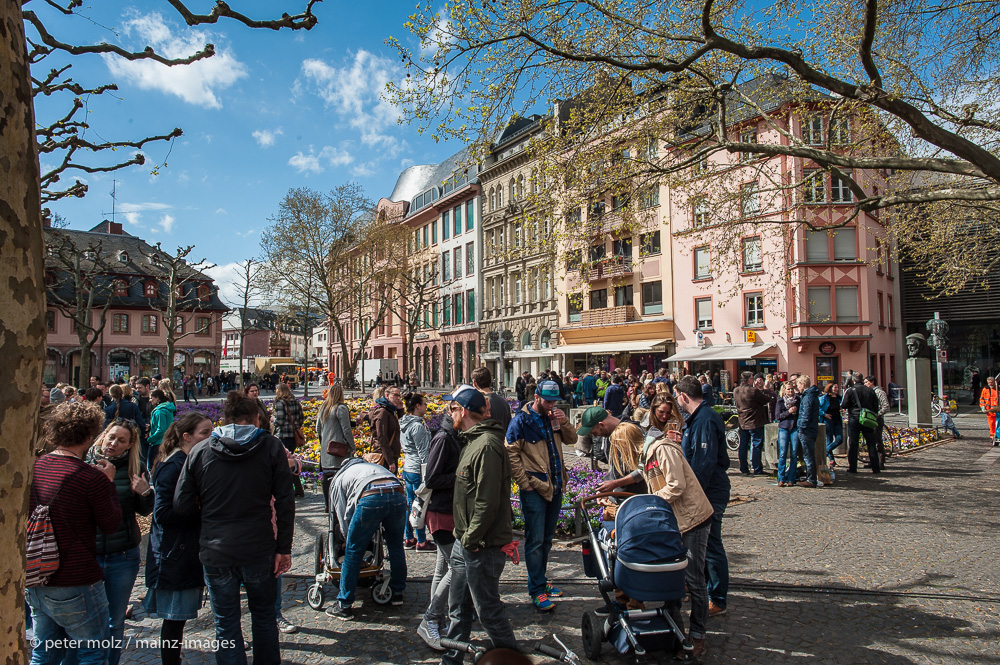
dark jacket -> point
(857, 397)
(808, 419)
(707, 394)
(172, 553)
(832, 409)
(145, 408)
(482, 488)
(125, 409)
(589, 387)
(127, 535)
(786, 419)
(704, 446)
(442, 460)
(500, 409)
(751, 406)
(385, 434)
(614, 400)
(233, 476)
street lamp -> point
(938, 340)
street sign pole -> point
(940, 365)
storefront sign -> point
(751, 336)
(659, 348)
(827, 348)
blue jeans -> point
(280, 583)
(540, 517)
(412, 482)
(70, 613)
(120, 570)
(787, 458)
(224, 591)
(834, 436)
(716, 561)
(751, 438)
(387, 510)
(807, 442)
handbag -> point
(300, 438)
(374, 458)
(867, 418)
(338, 448)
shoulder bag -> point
(338, 448)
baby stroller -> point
(328, 555)
(644, 557)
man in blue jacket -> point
(807, 426)
(614, 398)
(589, 389)
(704, 446)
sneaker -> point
(542, 602)
(397, 598)
(285, 626)
(429, 633)
(715, 610)
(426, 546)
(553, 592)
(409, 543)
(338, 611)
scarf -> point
(384, 402)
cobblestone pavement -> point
(895, 569)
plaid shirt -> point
(555, 462)
(288, 417)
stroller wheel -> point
(593, 634)
(381, 593)
(318, 555)
(315, 596)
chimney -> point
(114, 228)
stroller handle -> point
(601, 495)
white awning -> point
(720, 352)
(638, 345)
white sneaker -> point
(286, 626)
(428, 632)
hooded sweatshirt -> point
(233, 475)
(159, 421)
(415, 439)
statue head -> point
(916, 346)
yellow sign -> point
(751, 336)
(824, 378)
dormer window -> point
(150, 289)
(121, 288)
(180, 291)
(123, 256)
(203, 292)
(90, 255)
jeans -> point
(475, 588)
(412, 481)
(696, 542)
(70, 613)
(280, 584)
(856, 431)
(834, 436)
(540, 517)
(716, 561)
(807, 442)
(387, 510)
(788, 461)
(751, 438)
(120, 570)
(224, 591)
(437, 609)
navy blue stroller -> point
(645, 558)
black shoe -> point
(338, 611)
(397, 598)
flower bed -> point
(907, 438)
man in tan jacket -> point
(669, 476)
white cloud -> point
(196, 83)
(133, 211)
(167, 223)
(265, 137)
(221, 211)
(314, 162)
(245, 234)
(227, 278)
(355, 92)
(365, 170)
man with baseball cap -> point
(598, 422)
(534, 442)
(482, 525)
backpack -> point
(867, 418)
(42, 550)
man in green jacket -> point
(482, 525)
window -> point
(457, 214)
(750, 199)
(748, 136)
(50, 320)
(445, 226)
(574, 305)
(702, 263)
(203, 292)
(434, 232)
(752, 258)
(599, 299)
(847, 304)
(839, 191)
(179, 324)
(623, 248)
(597, 209)
(458, 262)
(426, 234)
(149, 324)
(619, 201)
(623, 295)
(544, 339)
(470, 216)
(121, 287)
(892, 312)
(119, 323)
(573, 217)
(434, 314)
(649, 244)
(753, 305)
(123, 256)
(598, 252)
(511, 191)
(517, 235)
(703, 313)
(499, 197)
(817, 246)
(840, 130)
(819, 303)
(446, 267)
(699, 213)
(434, 273)
(700, 167)
(812, 130)
(813, 186)
(652, 297)
(203, 325)
(574, 258)
(470, 306)
(650, 197)
(446, 308)
(493, 204)
(881, 311)
(458, 308)
(546, 278)
(526, 340)
(844, 248)
(470, 259)
(518, 295)
(520, 186)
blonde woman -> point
(336, 437)
(168, 390)
(118, 552)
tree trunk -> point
(22, 321)
(86, 348)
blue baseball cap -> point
(548, 390)
(468, 397)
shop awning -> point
(720, 352)
(634, 346)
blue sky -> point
(270, 111)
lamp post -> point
(938, 340)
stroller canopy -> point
(646, 531)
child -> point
(948, 422)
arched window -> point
(544, 339)
(121, 287)
(511, 190)
(526, 340)
(493, 199)
(534, 181)
(499, 197)
(520, 186)
(150, 289)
